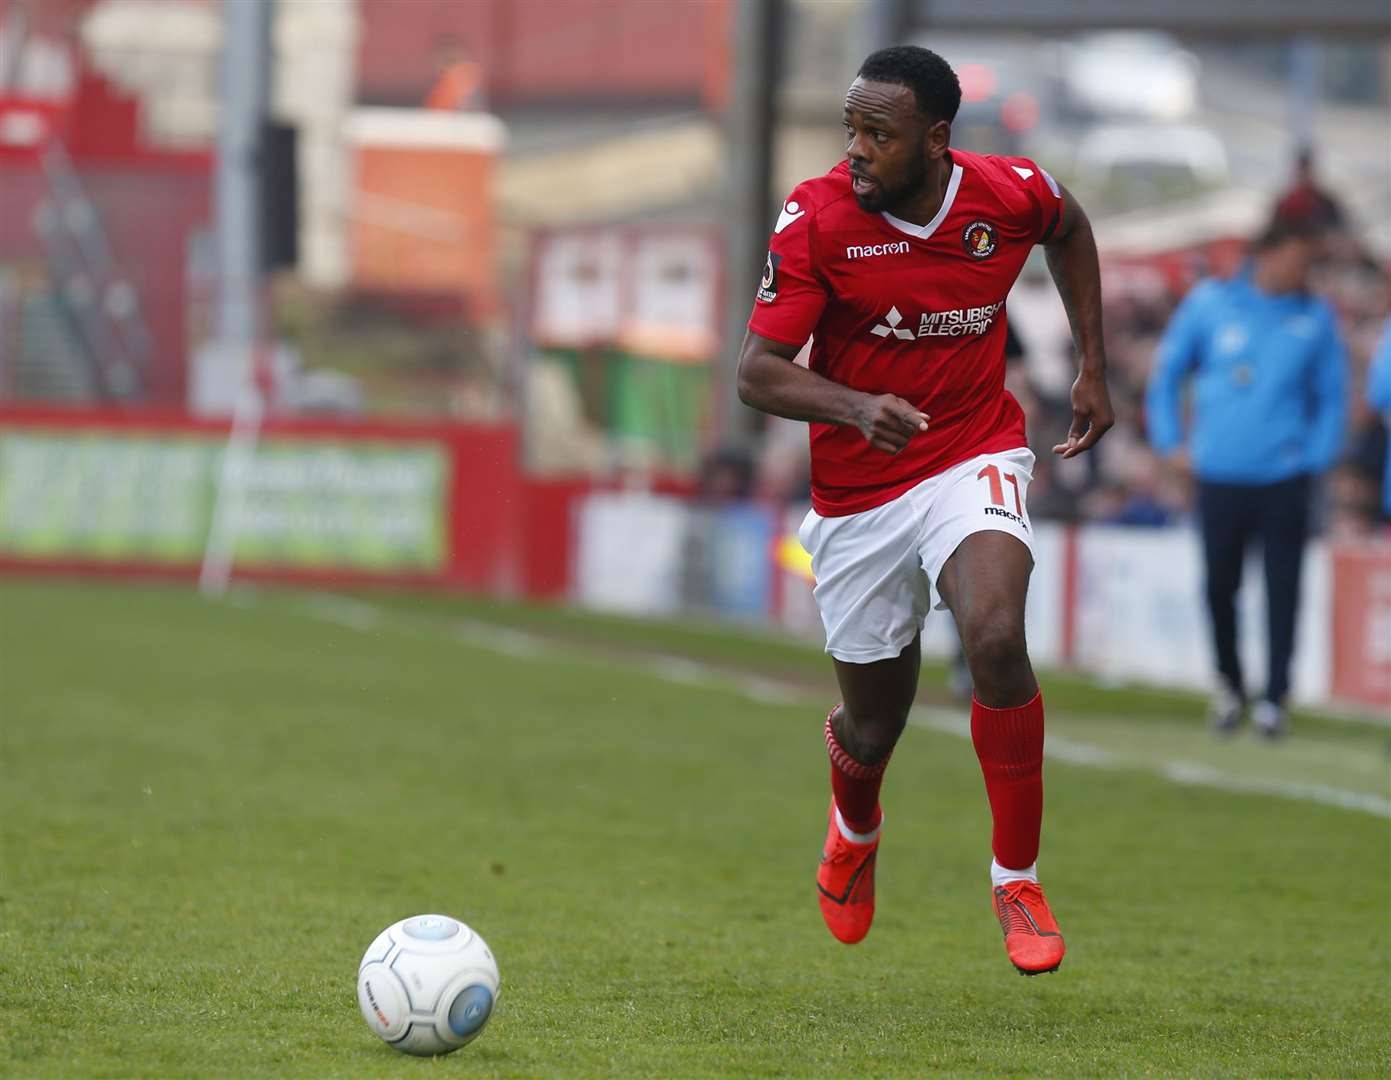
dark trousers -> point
(1232, 516)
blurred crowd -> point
(1124, 482)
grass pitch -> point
(208, 810)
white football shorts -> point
(876, 571)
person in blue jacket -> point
(1379, 398)
(1267, 413)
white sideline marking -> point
(517, 644)
(1187, 772)
(1058, 747)
(1177, 772)
(684, 672)
(695, 673)
(353, 614)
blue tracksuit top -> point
(1379, 397)
(1269, 383)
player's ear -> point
(938, 138)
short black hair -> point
(931, 78)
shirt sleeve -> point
(1179, 352)
(791, 295)
(1379, 377)
(1330, 396)
(1045, 197)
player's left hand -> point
(1092, 415)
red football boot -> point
(845, 884)
(1032, 938)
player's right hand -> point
(888, 422)
(1179, 465)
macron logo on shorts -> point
(864, 251)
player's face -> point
(1292, 262)
(889, 144)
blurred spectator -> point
(1049, 500)
(1268, 411)
(1351, 499)
(1143, 499)
(1379, 397)
(726, 476)
(460, 82)
(1306, 201)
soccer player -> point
(896, 264)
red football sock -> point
(1009, 744)
(855, 785)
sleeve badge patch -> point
(768, 286)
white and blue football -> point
(427, 985)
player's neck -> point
(923, 206)
(1271, 281)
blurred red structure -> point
(423, 219)
(149, 202)
(541, 52)
(504, 533)
(1362, 623)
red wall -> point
(1362, 623)
(550, 52)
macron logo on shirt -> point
(1025, 174)
(790, 213)
(864, 251)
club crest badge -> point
(768, 286)
(978, 238)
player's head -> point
(898, 115)
(1287, 250)
(1304, 165)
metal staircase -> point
(48, 363)
(79, 335)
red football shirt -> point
(912, 310)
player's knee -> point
(871, 734)
(995, 645)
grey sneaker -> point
(1270, 719)
(1224, 713)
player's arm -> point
(769, 381)
(1379, 375)
(1179, 352)
(1329, 422)
(1072, 260)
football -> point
(427, 985)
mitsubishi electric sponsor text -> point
(958, 322)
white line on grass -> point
(514, 643)
(1179, 772)
(519, 644)
(353, 614)
(1186, 772)
(1058, 747)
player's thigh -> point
(977, 548)
(1228, 516)
(986, 579)
(869, 585)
